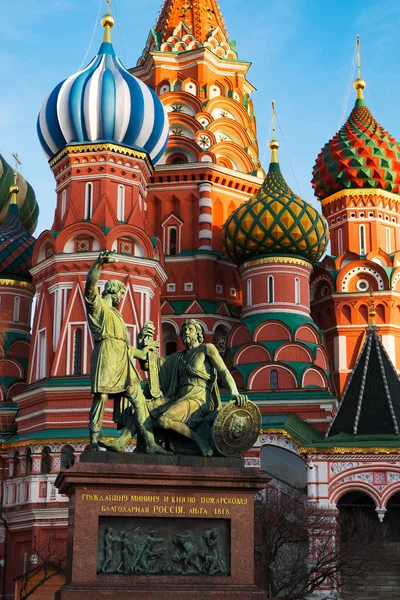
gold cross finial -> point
(108, 23)
(359, 83)
(274, 144)
(371, 311)
(17, 162)
(14, 189)
(273, 120)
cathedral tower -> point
(357, 179)
(210, 166)
(277, 355)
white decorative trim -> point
(205, 203)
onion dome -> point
(16, 243)
(362, 155)
(275, 221)
(104, 103)
(28, 207)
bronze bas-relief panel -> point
(164, 546)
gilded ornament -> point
(236, 428)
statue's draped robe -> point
(111, 365)
(197, 376)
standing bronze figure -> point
(113, 373)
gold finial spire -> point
(274, 144)
(371, 311)
(359, 83)
(14, 189)
(108, 23)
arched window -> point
(89, 201)
(67, 458)
(388, 241)
(273, 380)
(340, 241)
(172, 241)
(362, 239)
(249, 292)
(45, 463)
(270, 289)
(63, 202)
(178, 85)
(121, 203)
(29, 461)
(17, 465)
(77, 370)
(297, 290)
(17, 304)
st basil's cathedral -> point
(160, 163)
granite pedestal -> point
(160, 528)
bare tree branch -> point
(301, 547)
(49, 561)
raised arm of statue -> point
(225, 375)
(93, 275)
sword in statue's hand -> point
(154, 382)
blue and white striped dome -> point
(103, 102)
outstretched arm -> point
(94, 273)
(225, 375)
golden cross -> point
(109, 6)
(358, 58)
(273, 120)
(17, 162)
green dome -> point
(275, 221)
(28, 206)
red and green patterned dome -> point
(362, 155)
(275, 222)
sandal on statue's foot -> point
(117, 445)
(156, 449)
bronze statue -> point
(191, 396)
(113, 373)
(183, 401)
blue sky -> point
(301, 50)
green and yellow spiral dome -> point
(275, 222)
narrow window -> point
(17, 465)
(249, 292)
(89, 201)
(172, 237)
(297, 290)
(17, 304)
(29, 461)
(42, 351)
(77, 352)
(121, 203)
(273, 380)
(340, 241)
(63, 202)
(388, 242)
(270, 289)
(45, 463)
(362, 239)
(67, 458)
